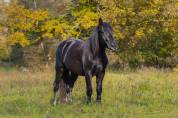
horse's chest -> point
(97, 66)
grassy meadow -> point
(145, 93)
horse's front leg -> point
(88, 77)
(99, 81)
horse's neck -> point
(100, 50)
(95, 45)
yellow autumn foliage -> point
(176, 69)
(23, 19)
(149, 12)
(23, 24)
(87, 19)
(4, 50)
(139, 33)
(18, 38)
(57, 29)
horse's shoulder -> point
(104, 60)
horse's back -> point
(66, 45)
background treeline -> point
(145, 30)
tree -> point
(145, 30)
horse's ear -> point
(100, 21)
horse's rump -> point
(69, 54)
(61, 51)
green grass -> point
(148, 93)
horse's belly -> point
(73, 58)
(75, 67)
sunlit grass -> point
(136, 94)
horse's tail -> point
(59, 65)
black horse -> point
(86, 58)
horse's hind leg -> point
(71, 80)
(59, 74)
(63, 86)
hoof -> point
(88, 101)
(98, 101)
(70, 100)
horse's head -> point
(106, 35)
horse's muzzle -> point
(113, 47)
